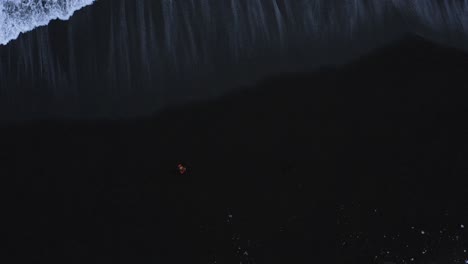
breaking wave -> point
(164, 52)
(18, 16)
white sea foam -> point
(256, 16)
(18, 16)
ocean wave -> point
(164, 52)
(19, 16)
